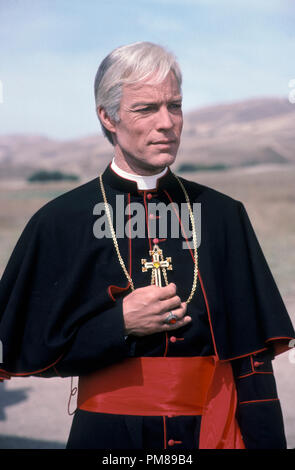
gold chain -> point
(194, 286)
(114, 234)
(121, 261)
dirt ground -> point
(33, 411)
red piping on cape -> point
(114, 290)
(258, 401)
(17, 374)
(253, 373)
(280, 347)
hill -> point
(249, 132)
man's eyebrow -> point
(177, 99)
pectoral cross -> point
(156, 264)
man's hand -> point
(146, 309)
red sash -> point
(169, 386)
(148, 386)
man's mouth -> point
(163, 142)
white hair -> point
(128, 65)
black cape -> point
(60, 277)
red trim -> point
(146, 218)
(280, 347)
(166, 348)
(154, 191)
(278, 350)
(279, 337)
(4, 375)
(115, 290)
(209, 314)
(252, 365)
(17, 374)
(130, 248)
(165, 435)
(258, 401)
(245, 355)
(253, 373)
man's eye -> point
(151, 108)
(146, 108)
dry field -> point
(268, 193)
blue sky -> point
(50, 50)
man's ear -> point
(108, 123)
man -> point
(167, 358)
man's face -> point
(148, 134)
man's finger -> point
(171, 304)
(178, 312)
(167, 291)
(174, 326)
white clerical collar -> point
(143, 182)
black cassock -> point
(61, 307)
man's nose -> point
(164, 119)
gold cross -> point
(156, 264)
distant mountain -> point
(253, 131)
(21, 155)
